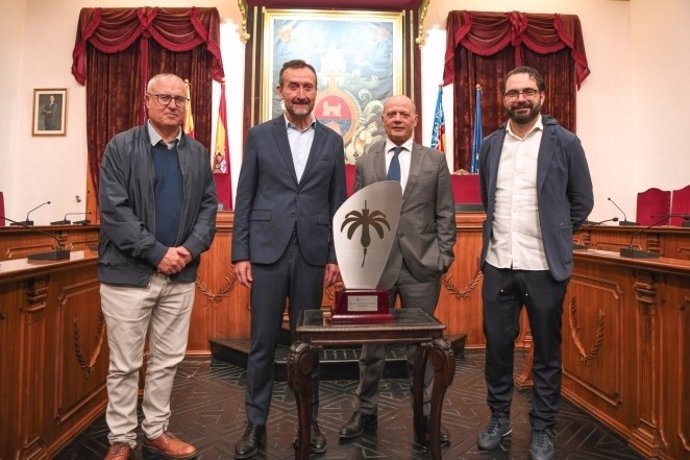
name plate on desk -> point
(364, 229)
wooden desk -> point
(19, 242)
(53, 354)
(626, 336)
(409, 325)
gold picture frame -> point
(49, 112)
(359, 58)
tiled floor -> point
(208, 410)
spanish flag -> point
(189, 118)
(221, 155)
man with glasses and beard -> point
(291, 183)
(536, 189)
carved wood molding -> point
(36, 294)
(225, 289)
(586, 357)
(87, 367)
(447, 282)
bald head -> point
(399, 118)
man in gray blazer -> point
(291, 183)
(422, 251)
(536, 189)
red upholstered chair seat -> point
(680, 204)
(652, 204)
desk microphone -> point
(65, 221)
(634, 253)
(27, 222)
(60, 253)
(625, 220)
(613, 219)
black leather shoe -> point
(358, 424)
(318, 440)
(254, 436)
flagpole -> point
(477, 132)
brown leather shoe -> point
(172, 446)
(118, 451)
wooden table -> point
(409, 326)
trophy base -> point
(353, 306)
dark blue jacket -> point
(564, 189)
(128, 250)
(271, 204)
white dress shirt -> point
(404, 157)
(300, 145)
(517, 241)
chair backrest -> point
(350, 171)
(466, 193)
(652, 204)
(680, 204)
(2, 210)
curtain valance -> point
(486, 34)
(112, 30)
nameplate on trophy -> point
(364, 229)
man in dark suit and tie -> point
(291, 183)
(536, 189)
(421, 252)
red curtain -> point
(482, 47)
(118, 49)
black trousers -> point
(289, 279)
(504, 293)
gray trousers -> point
(413, 294)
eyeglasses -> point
(527, 92)
(164, 99)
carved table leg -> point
(442, 359)
(300, 361)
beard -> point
(522, 117)
(303, 108)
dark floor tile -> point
(208, 410)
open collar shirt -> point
(517, 240)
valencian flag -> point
(221, 155)
(438, 133)
(189, 118)
(478, 136)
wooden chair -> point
(466, 192)
(652, 205)
(680, 204)
(350, 179)
(2, 210)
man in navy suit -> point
(536, 189)
(291, 183)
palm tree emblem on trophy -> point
(366, 220)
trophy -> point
(364, 228)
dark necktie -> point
(394, 167)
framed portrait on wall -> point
(359, 59)
(49, 112)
